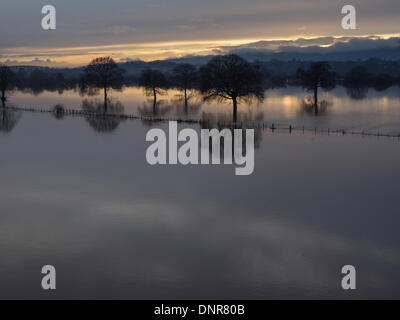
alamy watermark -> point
(349, 280)
(49, 20)
(49, 280)
(349, 20)
(204, 150)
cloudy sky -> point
(155, 29)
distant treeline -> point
(372, 73)
(38, 80)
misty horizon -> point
(318, 45)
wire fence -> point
(271, 126)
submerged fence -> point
(271, 126)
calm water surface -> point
(85, 200)
(361, 109)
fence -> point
(273, 127)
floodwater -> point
(78, 194)
(349, 109)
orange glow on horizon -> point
(79, 56)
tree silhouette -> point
(103, 73)
(307, 106)
(8, 119)
(154, 83)
(382, 81)
(59, 111)
(317, 76)
(190, 107)
(184, 78)
(357, 81)
(6, 76)
(357, 92)
(357, 77)
(147, 110)
(103, 123)
(231, 78)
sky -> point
(155, 29)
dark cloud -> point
(124, 28)
(101, 22)
(317, 45)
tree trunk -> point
(154, 102)
(105, 99)
(234, 109)
(316, 100)
(186, 103)
(3, 96)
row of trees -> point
(360, 77)
(227, 77)
(223, 78)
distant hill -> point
(378, 60)
(383, 53)
(265, 55)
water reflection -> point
(158, 109)
(246, 120)
(89, 91)
(101, 122)
(189, 105)
(246, 117)
(308, 107)
(349, 108)
(59, 111)
(177, 106)
(8, 119)
(357, 93)
(139, 231)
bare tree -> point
(231, 78)
(184, 78)
(6, 76)
(317, 76)
(154, 83)
(357, 77)
(103, 73)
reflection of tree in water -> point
(177, 107)
(149, 109)
(307, 107)
(216, 121)
(58, 111)
(103, 123)
(245, 117)
(187, 107)
(33, 91)
(8, 119)
(84, 90)
(357, 93)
